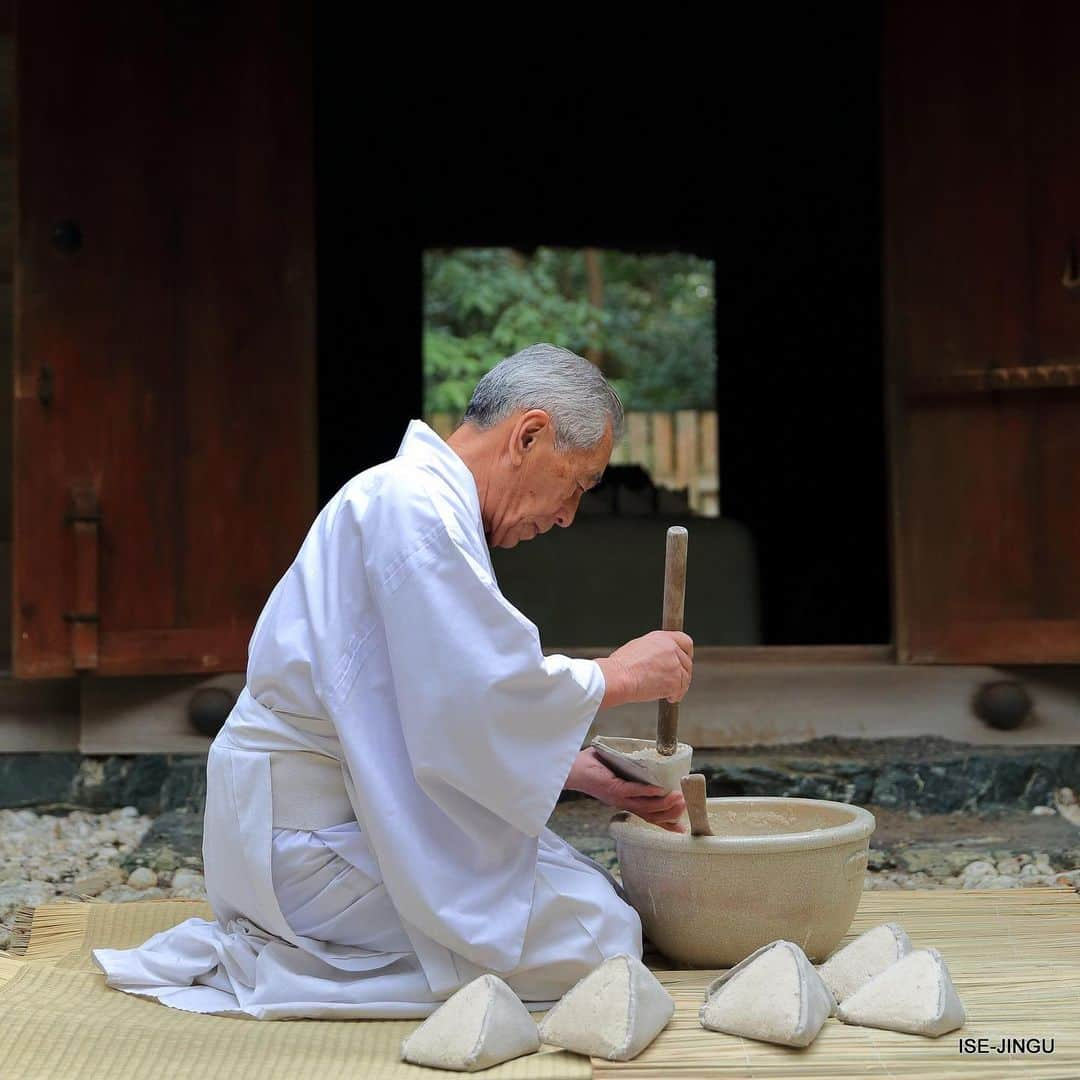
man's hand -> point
(658, 665)
(590, 775)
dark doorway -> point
(763, 157)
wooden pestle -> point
(697, 809)
(667, 723)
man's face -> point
(543, 486)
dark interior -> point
(761, 153)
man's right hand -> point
(658, 665)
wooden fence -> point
(678, 450)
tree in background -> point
(647, 320)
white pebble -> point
(1043, 811)
(97, 881)
(142, 877)
(19, 894)
(188, 879)
(1000, 881)
(123, 893)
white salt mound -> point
(481, 1025)
(774, 995)
(860, 960)
(916, 995)
(613, 1013)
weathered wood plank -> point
(174, 323)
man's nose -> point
(565, 515)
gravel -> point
(1011, 872)
(45, 857)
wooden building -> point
(213, 218)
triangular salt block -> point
(613, 1013)
(915, 995)
(482, 1024)
(860, 960)
(774, 995)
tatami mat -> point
(1013, 954)
(60, 1020)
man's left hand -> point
(591, 776)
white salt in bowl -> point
(778, 868)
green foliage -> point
(655, 330)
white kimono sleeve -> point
(485, 715)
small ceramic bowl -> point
(637, 759)
(778, 868)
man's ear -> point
(528, 430)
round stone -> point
(142, 877)
(1000, 881)
(187, 879)
(209, 708)
(1004, 704)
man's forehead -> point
(589, 465)
(600, 458)
(588, 469)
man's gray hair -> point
(573, 392)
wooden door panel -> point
(1052, 108)
(1058, 551)
(969, 549)
(177, 338)
(992, 528)
(982, 339)
(956, 248)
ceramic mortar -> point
(777, 867)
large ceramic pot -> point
(777, 868)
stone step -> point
(152, 783)
(931, 775)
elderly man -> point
(375, 832)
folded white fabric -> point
(481, 1025)
(860, 960)
(613, 1013)
(916, 995)
(774, 994)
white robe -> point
(388, 647)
